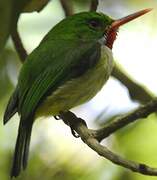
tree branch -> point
(94, 5)
(67, 7)
(18, 45)
(136, 91)
(92, 137)
(120, 122)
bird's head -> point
(95, 26)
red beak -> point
(111, 34)
(117, 23)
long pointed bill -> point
(112, 32)
(117, 23)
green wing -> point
(50, 66)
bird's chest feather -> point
(79, 90)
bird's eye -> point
(94, 24)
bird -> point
(68, 68)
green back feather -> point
(69, 50)
(56, 68)
(68, 45)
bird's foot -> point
(74, 133)
(57, 118)
(66, 121)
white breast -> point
(80, 90)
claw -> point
(57, 117)
(74, 133)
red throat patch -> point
(110, 38)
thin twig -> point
(87, 137)
(122, 121)
(67, 7)
(94, 5)
(18, 45)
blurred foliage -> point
(55, 170)
(9, 65)
(3, 74)
(136, 142)
(35, 5)
(5, 21)
(9, 14)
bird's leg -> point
(72, 130)
(70, 119)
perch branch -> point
(92, 141)
(93, 137)
(110, 127)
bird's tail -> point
(12, 106)
(21, 149)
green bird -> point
(68, 68)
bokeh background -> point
(55, 154)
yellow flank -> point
(79, 90)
